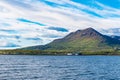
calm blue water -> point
(26, 67)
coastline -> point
(58, 53)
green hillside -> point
(81, 41)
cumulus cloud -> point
(34, 22)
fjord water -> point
(28, 67)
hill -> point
(82, 40)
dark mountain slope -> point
(116, 37)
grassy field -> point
(59, 52)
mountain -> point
(116, 37)
(82, 40)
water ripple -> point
(23, 67)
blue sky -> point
(38, 22)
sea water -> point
(32, 67)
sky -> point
(37, 22)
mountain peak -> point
(87, 29)
(90, 30)
(81, 34)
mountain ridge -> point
(81, 40)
